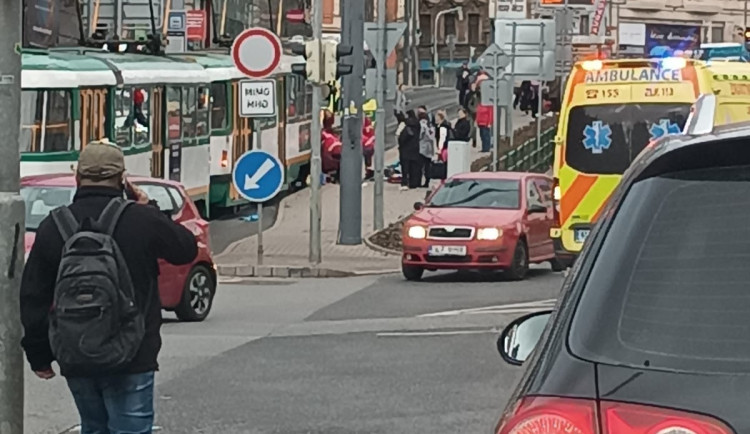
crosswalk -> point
(507, 309)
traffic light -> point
(332, 54)
(311, 68)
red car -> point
(482, 221)
(188, 290)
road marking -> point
(511, 308)
(450, 333)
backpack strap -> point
(65, 221)
(111, 215)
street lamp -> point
(460, 11)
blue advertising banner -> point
(672, 39)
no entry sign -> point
(256, 52)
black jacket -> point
(462, 130)
(408, 140)
(144, 234)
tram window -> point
(218, 106)
(32, 106)
(201, 123)
(174, 112)
(188, 112)
(123, 112)
(132, 117)
(45, 121)
(302, 98)
(291, 98)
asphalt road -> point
(379, 355)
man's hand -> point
(45, 374)
(140, 196)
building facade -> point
(648, 26)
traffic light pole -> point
(350, 208)
(380, 57)
(12, 220)
(315, 132)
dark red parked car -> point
(188, 290)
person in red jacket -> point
(485, 117)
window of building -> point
(717, 34)
(584, 26)
(449, 25)
(474, 28)
(46, 121)
(219, 104)
(425, 29)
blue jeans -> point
(485, 135)
(116, 404)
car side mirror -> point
(537, 209)
(521, 336)
(418, 206)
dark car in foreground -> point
(651, 333)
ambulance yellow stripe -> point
(589, 207)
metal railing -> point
(528, 157)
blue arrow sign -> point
(258, 176)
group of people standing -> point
(423, 143)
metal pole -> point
(257, 145)
(435, 58)
(539, 90)
(744, 16)
(380, 57)
(495, 118)
(407, 77)
(509, 129)
(350, 209)
(12, 220)
(315, 127)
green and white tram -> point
(173, 116)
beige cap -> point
(101, 160)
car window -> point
(159, 194)
(478, 193)
(177, 197)
(532, 194)
(670, 287)
(40, 201)
(545, 191)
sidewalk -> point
(286, 244)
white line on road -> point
(511, 308)
(450, 333)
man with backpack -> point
(90, 298)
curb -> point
(292, 271)
(378, 248)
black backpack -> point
(95, 324)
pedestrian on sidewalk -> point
(462, 129)
(408, 150)
(485, 117)
(444, 133)
(463, 82)
(427, 146)
(89, 294)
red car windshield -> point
(478, 193)
(40, 201)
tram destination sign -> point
(257, 98)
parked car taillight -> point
(549, 415)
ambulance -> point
(611, 110)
